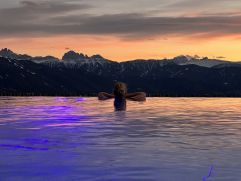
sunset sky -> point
(123, 30)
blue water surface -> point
(163, 139)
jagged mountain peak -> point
(6, 51)
(72, 55)
(97, 56)
(74, 58)
(181, 59)
(196, 60)
(187, 57)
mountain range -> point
(79, 74)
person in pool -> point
(120, 95)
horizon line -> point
(197, 57)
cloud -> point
(47, 18)
(203, 3)
(220, 57)
(32, 10)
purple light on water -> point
(209, 174)
(64, 99)
(34, 141)
(61, 99)
(57, 109)
(80, 99)
(22, 147)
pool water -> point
(163, 139)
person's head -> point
(120, 90)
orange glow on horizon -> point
(121, 50)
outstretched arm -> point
(136, 96)
(104, 96)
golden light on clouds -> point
(120, 50)
(123, 30)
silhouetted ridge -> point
(71, 55)
(157, 78)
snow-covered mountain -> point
(203, 62)
(44, 60)
(72, 59)
(7, 53)
(79, 74)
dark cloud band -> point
(53, 18)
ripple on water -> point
(83, 138)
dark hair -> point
(120, 90)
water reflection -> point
(162, 139)
(120, 104)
